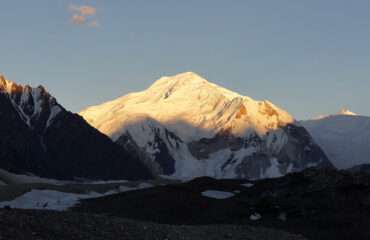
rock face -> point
(185, 126)
(38, 135)
(344, 137)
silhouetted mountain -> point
(38, 135)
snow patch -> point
(102, 182)
(37, 100)
(247, 185)
(273, 171)
(50, 199)
(255, 217)
(54, 111)
(282, 217)
(145, 185)
(55, 200)
(217, 194)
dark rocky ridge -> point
(361, 167)
(63, 147)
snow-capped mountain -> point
(185, 126)
(38, 135)
(344, 137)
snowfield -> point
(60, 201)
(49, 199)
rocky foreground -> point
(49, 225)
(316, 203)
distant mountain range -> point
(38, 135)
(181, 126)
(344, 137)
(185, 126)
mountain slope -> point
(344, 137)
(38, 135)
(185, 126)
(190, 107)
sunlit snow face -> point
(189, 106)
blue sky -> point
(308, 57)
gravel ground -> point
(49, 225)
(319, 204)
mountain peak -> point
(185, 77)
(188, 84)
(342, 112)
(30, 102)
(191, 107)
(5, 85)
(186, 126)
(12, 88)
(346, 112)
(180, 80)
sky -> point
(309, 58)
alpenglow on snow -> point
(185, 126)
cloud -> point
(77, 19)
(93, 24)
(83, 12)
